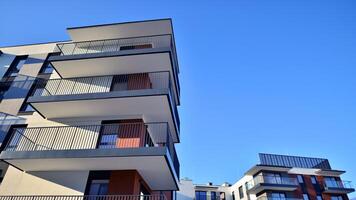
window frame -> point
(241, 192)
(300, 179)
(13, 71)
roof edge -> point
(118, 23)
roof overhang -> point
(121, 30)
(257, 168)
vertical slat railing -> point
(130, 135)
(84, 197)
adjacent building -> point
(277, 177)
(92, 117)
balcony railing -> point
(102, 84)
(113, 45)
(121, 44)
(105, 84)
(86, 197)
(338, 185)
(119, 136)
(261, 179)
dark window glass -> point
(4, 87)
(273, 178)
(241, 192)
(139, 46)
(213, 195)
(336, 198)
(313, 179)
(15, 66)
(47, 67)
(200, 195)
(233, 195)
(300, 179)
(278, 196)
(26, 107)
(331, 182)
(99, 187)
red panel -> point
(131, 135)
(139, 81)
(310, 187)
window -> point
(273, 178)
(278, 196)
(26, 107)
(213, 195)
(138, 46)
(331, 182)
(200, 195)
(15, 66)
(305, 197)
(222, 195)
(4, 87)
(300, 179)
(233, 195)
(318, 197)
(99, 187)
(313, 180)
(241, 192)
(108, 137)
(47, 67)
(336, 198)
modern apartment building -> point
(92, 118)
(278, 177)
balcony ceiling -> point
(98, 66)
(91, 65)
(154, 166)
(120, 30)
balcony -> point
(144, 95)
(261, 183)
(338, 187)
(118, 56)
(145, 147)
(86, 197)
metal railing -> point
(85, 197)
(121, 44)
(337, 185)
(113, 45)
(105, 84)
(119, 135)
(278, 180)
(102, 84)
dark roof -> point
(294, 161)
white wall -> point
(17, 182)
(186, 190)
(235, 188)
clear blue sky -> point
(256, 76)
